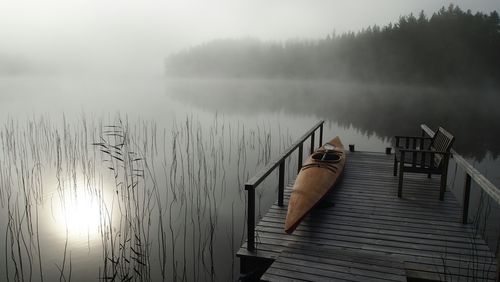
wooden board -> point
(418, 232)
(320, 263)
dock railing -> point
(471, 174)
(252, 184)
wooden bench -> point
(423, 155)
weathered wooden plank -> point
(426, 267)
(300, 276)
(263, 250)
(404, 237)
(340, 264)
(335, 263)
(418, 231)
(430, 267)
(345, 257)
(430, 258)
(358, 205)
(462, 270)
(391, 214)
(372, 190)
(383, 223)
(394, 218)
(416, 248)
(304, 269)
(369, 227)
(271, 277)
(387, 218)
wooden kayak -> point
(316, 177)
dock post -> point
(301, 152)
(465, 211)
(320, 135)
(312, 142)
(281, 184)
(351, 147)
(251, 218)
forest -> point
(448, 48)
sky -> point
(136, 35)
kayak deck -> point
(372, 235)
(317, 176)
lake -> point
(141, 178)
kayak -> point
(317, 176)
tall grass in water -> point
(168, 200)
(21, 193)
(477, 263)
(126, 247)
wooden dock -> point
(372, 235)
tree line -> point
(448, 47)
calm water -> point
(142, 178)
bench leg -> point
(400, 184)
(395, 166)
(442, 186)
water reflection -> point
(379, 111)
(384, 110)
(76, 214)
(129, 200)
(170, 200)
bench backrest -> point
(441, 141)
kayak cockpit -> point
(327, 156)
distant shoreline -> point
(452, 47)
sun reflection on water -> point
(77, 213)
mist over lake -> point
(126, 140)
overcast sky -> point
(118, 34)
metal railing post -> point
(251, 218)
(312, 142)
(465, 211)
(301, 152)
(320, 135)
(281, 184)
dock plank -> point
(370, 234)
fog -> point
(133, 37)
(163, 109)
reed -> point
(168, 199)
